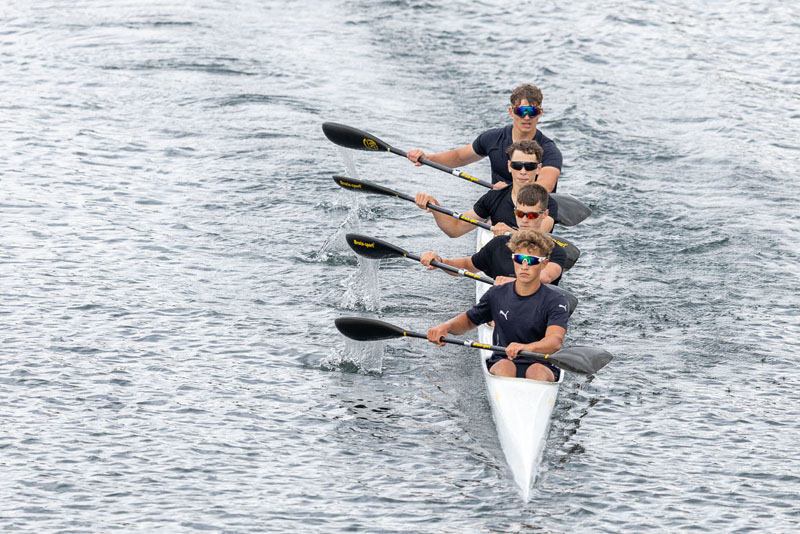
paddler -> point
(497, 204)
(494, 258)
(527, 314)
(525, 111)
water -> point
(171, 259)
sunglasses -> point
(528, 214)
(528, 165)
(522, 259)
(523, 111)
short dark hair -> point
(526, 147)
(533, 195)
(528, 92)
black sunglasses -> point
(529, 165)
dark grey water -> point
(171, 261)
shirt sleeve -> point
(481, 312)
(481, 207)
(558, 256)
(552, 155)
(479, 144)
(558, 314)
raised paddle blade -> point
(365, 329)
(353, 138)
(571, 211)
(583, 360)
(367, 187)
(375, 249)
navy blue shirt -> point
(494, 142)
(494, 258)
(523, 319)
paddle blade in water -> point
(365, 329)
(353, 138)
(369, 247)
(583, 360)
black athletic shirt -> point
(494, 258)
(496, 204)
(494, 142)
(519, 319)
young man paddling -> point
(497, 204)
(525, 111)
(527, 315)
(494, 259)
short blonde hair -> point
(533, 240)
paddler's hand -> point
(422, 199)
(414, 155)
(500, 280)
(436, 333)
(428, 257)
(502, 228)
(500, 185)
(512, 350)
(547, 224)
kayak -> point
(521, 407)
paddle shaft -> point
(360, 185)
(454, 270)
(495, 348)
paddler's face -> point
(527, 123)
(523, 177)
(525, 272)
(525, 222)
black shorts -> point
(522, 363)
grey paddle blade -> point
(583, 360)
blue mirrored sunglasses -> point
(522, 259)
(530, 111)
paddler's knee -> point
(540, 372)
(504, 368)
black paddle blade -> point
(369, 247)
(365, 329)
(362, 185)
(583, 360)
(353, 138)
(571, 211)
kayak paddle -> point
(573, 252)
(582, 360)
(574, 211)
(377, 249)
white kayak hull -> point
(521, 408)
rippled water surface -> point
(172, 259)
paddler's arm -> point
(550, 343)
(452, 158)
(458, 263)
(460, 324)
(449, 225)
(550, 272)
(548, 178)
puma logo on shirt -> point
(563, 306)
(504, 314)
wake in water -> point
(360, 290)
